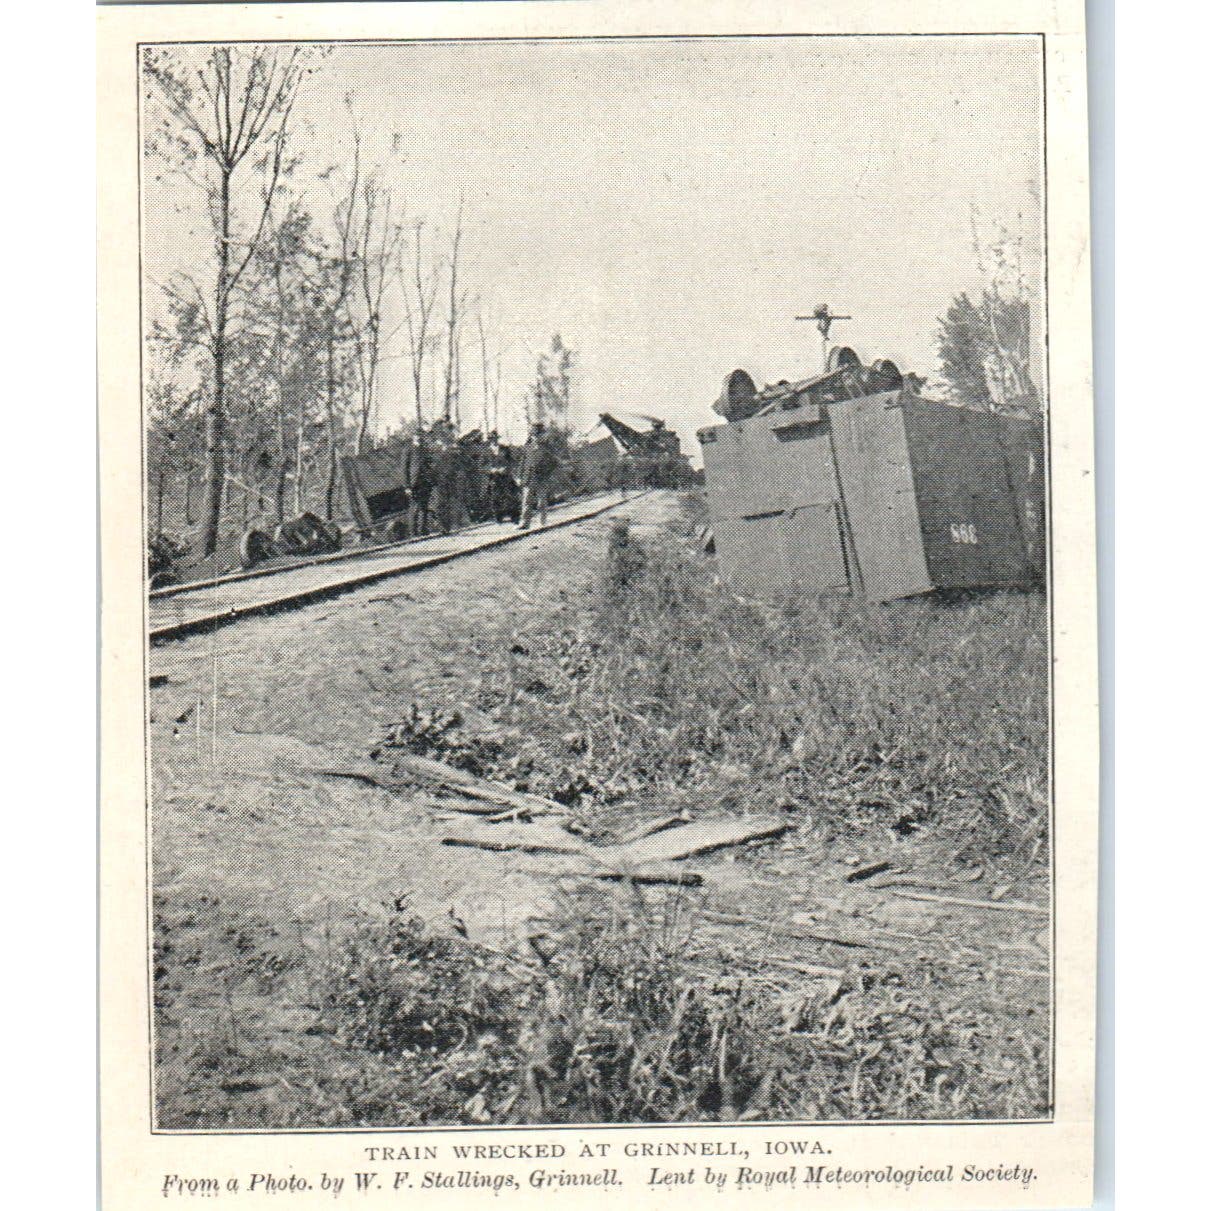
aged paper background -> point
(135, 1160)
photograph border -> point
(1048, 1120)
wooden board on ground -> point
(524, 838)
(407, 770)
(701, 837)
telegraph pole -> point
(824, 319)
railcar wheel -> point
(255, 547)
(885, 375)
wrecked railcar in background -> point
(853, 482)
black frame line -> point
(1050, 1118)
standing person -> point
(418, 476)
(471, 447)
(538, 466)
(501, 490)
(441, 449)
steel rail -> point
(201, 624)
(307, 561)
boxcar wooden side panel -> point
(795, 553)
(812, 550)
(969, 511)
(877, 487)
(774, 499)
(781, 461)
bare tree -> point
(332, 283)
(490, 367)
(453, 318)
(420, 296)
(379, 235)
(292, 364)
(230, 113)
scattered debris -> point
(647, 827)
(869, 872)
(524, 838)
(406, 770)
(1010, 905)
(702, 837)
(390, 597)
(252, 1082)
(869, 941)
(651, 875)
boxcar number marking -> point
(963, 531)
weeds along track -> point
(187, 610)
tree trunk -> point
(330, 490)
(363, 430)
(189, 517)
(216, 437)
(160, 502)
(279, 498)
(298, 463)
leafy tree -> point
(223, 124)
(984, 345)
(173, 447)
(549, 398)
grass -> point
(616, 1024)
(922, 721)
(667, 689)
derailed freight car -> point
(855, 483)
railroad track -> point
(184, 610)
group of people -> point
(455, 481)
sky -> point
(668, 207)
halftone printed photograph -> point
(597, 496)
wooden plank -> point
(439, 771)
(646, 828)
(869, 941)
(446, 777)
(651, 875)
(702, 837)
(869, 872)
(963, 902)
(520, 838)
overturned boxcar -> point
(378, 485)
(853, 482)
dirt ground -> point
(240, 815)
(247, 710)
